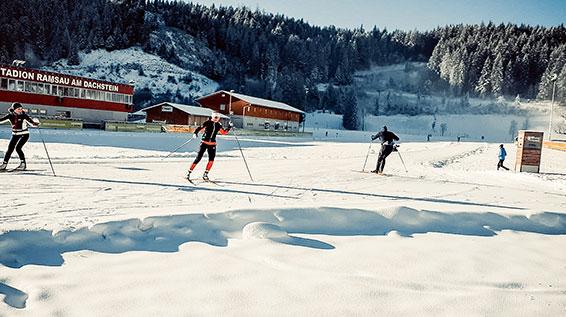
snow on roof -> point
(259, 101)
(193, 110)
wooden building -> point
(173, 113)
(254, 113)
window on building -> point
(222, 106)
(166, 109)
(63, 114)
(83, 93)
(42, 111)
(19, 85)
(11, 84)
(60, 91)
(40, 89)
(34, 111)
(4, 83)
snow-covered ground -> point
(494, 127)
(119, 232)
(142, 69)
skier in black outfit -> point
(20, 134)
(211, 128)
(387, 146)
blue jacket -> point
(502, 153)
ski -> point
(15, 170)
(202, 182)
(369, 172)
(213, 182)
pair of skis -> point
(192, 181)
(13, 170)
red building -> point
(50, 94)
(254, 113)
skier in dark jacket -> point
(20, 134)
(502, 155)
(210, 129)
(388, 139)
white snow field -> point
(119, 232)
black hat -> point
(16, 105)
(384, 128)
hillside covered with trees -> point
(286, 59)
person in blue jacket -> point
(502, 155)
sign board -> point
(529, 150)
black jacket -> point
(211, 129)
(19, 122)
(387, 137)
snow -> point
(122, 66)
(494, 127)
(120, 232)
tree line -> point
(285, 59)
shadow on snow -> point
(13, 296)
(167, 233)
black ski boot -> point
(3, 167)
(189, 175)
(21, 167)
(205, 176)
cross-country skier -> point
(502, 155)
(211, 128)
(20, 134)
(388, 139)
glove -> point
(230, 124)
(373, 137)
(36, 122)
(195, 135)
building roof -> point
(192, 110)
(258, 101)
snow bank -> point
(263, 230)
(167, 233)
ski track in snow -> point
(458, 157)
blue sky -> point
(410, 14)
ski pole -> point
(367, 155)
(242, 152)
(46, 152)
(176, 149)
(406, 171)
